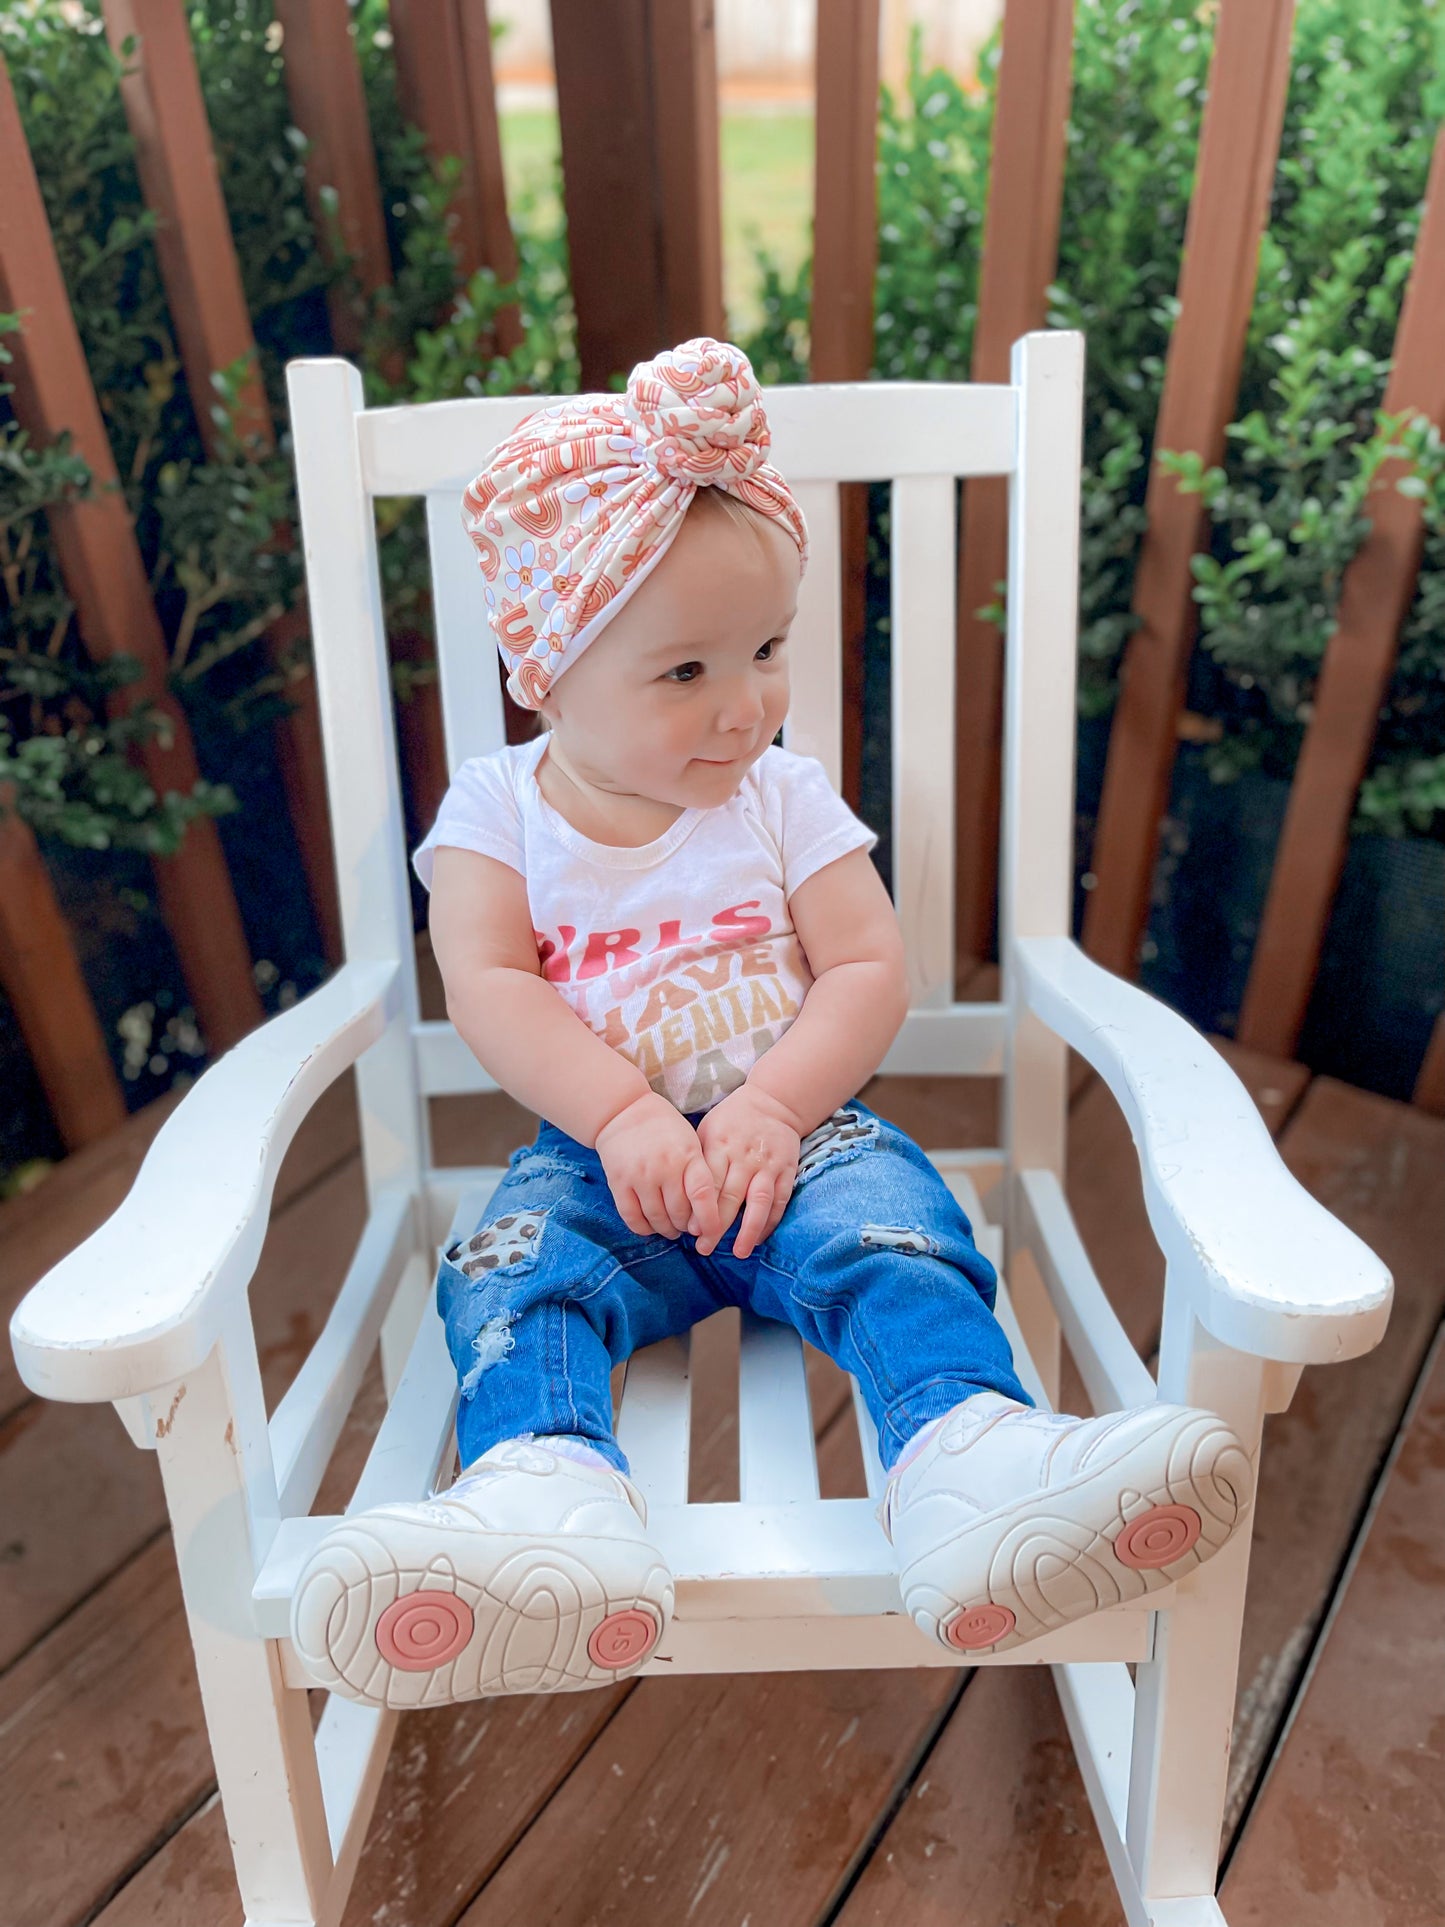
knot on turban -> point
(578, 506)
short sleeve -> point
(479, 812)
(817, 825)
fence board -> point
(177, 168)
(1429, 1091)
(328, 105)
(1020, 254)
(637, 99)
(845, 260)
(689, 166)
(1239, 145)
(1375, 598)
(444, 78)
(166, 113)
(106, 579)
(41, 975)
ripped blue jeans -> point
(873, 1262)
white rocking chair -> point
(152, 1314)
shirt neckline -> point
(616, 856)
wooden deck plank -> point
(997, 1829)
(504, 1757)
(684, 1735)
(409, 1843)
(714, 1800)
(78, 1501)
(101, 1744)
(63, 1467)
(1349, 1826)
(1370, 1161)
(1377, 1165)
(101, 1726)
(39, 1228)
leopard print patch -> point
(513, 1239)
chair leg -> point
(1184, 1697)
(216, 1464)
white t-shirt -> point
(681, 954)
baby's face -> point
(688, 684)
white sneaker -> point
(532, 1574)
(1009, 1522)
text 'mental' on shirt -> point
(679, 953)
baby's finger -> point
(717, 1161)
(780, 1204)
(705, 1223)
(755, 1215)
(629, 1210)
(649, 1196)
(674, 1199)
(730, 1195)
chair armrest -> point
(143, 1299)
(1267, 1268)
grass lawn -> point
(767, 164)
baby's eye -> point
(684, 672)
(769, 649)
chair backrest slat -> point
(815, 719)
(1040, 666)
(924, 518)
(825, 432)
(471, 689)
(358, 731)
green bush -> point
(214, 530)
(208, 526)
(1288, 507)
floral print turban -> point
(576, 508)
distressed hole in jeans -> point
(897, 1237)
(509, 1240)
(489, 1348)
(840, 1136)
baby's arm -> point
(539, 1049)
(850, 1016)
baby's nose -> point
(742, 711)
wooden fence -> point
(637, 97)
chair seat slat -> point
(776, 1458)
(654, 1426)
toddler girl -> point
(664, 934)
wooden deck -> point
(767, 1801)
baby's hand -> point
(752, 1153)
(659, 1177)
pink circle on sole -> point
(424, 1630)
(622, 1638)
(980, 1626)
(1157, 1537)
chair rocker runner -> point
(151, 1312)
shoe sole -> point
(1114, 1533)
(382, 1615)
